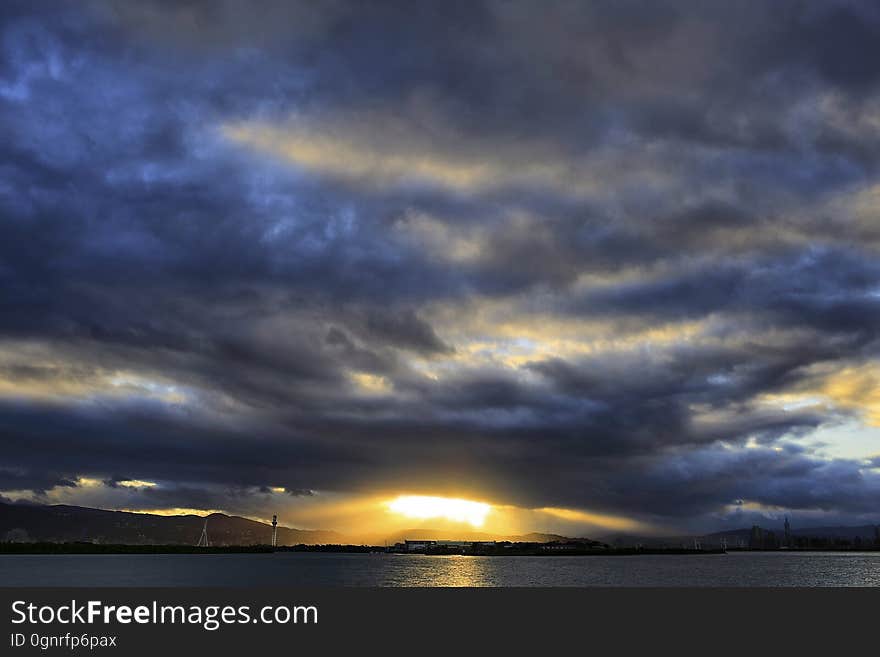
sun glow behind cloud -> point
(136, 483)
(364, 518)
(176, 511)
(616, 523)
(457, 510)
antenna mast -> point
(203, 539)
(275, 531)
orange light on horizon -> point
(426, 506)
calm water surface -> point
(303, 569)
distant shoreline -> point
(99, 548)
(525, 550)
(529, 550)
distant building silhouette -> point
(762, 539)
(756, 538)
(788, 542)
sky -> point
(598, 266)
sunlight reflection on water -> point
(303, 569)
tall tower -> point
(275, 531)
(787, 533)
(203, 539)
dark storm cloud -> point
(826, 289)
(184, 307)
(707, 480)
(37, 479)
